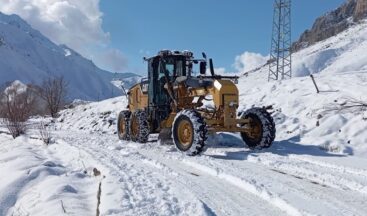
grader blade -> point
(165, 136)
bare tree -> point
(45, 133)
(53, 90)
(347, 104)
(18, 102)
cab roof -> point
(165, 53)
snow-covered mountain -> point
(343, 53)
(333, 22)
(28, 56)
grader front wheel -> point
(189, 132)
(260, 131)
(185, 133)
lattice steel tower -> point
(280, 53)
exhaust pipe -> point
(211, 67)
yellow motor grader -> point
(184, 108)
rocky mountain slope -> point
(332, 23)
(28, 56)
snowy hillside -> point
(340, 69)
(28, 56)
(343, 53)
(126, 83)
(339, 65)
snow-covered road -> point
(227, 180)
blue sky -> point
(223, 29)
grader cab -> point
(184, 107)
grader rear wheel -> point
(123, 125)
(139, 126)
(261, 129)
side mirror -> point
(202, 68)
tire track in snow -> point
(295, 191)
(340, 169)
(250, 187)
(290, 194)
(145, 190)
(207, 187)
(217, 197)
(322, 173)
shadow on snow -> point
(282, 148)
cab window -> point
(174, 68)
(170, 68)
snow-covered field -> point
(291, 178)
(317, 165)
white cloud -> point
(113, 58)
(217, 71)
(220, 71)
(76, 23)
(249, 61)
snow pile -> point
(35, 181)
(67, 176)
(305, 117)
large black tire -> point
(139, 126)
(189, 132)
(262, 118)
(123, 125)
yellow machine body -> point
(223, 94)
(183, 106)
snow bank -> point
(305, 117)
(35, 181)
(91, 117)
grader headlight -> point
(217, 85)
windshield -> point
(174, 67)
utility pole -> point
(280, 62)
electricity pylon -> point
(280, 63)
